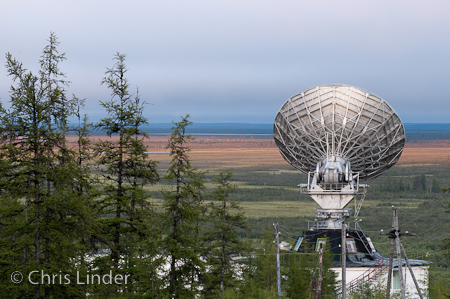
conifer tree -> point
(260, 273)
(297, 274)
(308, 262)
(222, 239)
(85, 184)
(300, 269)
(446, 245)
(125, 169)
(182, 206)
(41, 209)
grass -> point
(280, 209)
(268, 193)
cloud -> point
(250, 55)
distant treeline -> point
(414, 131)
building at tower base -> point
(365, 266)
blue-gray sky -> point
(239, 61)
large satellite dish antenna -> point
(338, 134)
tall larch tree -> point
(125, 168)
(182, 209)
(41, 210)
(223, 242)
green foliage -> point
(265, 262)
(297, 273)
(438, 282)
(224, 247)
(329, 276)
(419, 183)
(49, 220)
(376, 290)
(298, 270)
(43, 217)
(126, 218)
(182, 211)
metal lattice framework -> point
(342, 121)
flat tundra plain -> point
(260, 171)
(231, 152)
(247, 152)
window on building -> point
(351, 246)
(319, 242)
(395, 285)
(371, 244)
(298, 244)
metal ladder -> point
(362, 236)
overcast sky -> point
(239, 61)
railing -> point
(330, 187)
(312, 225)
(378, 269)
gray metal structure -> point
(338, 135)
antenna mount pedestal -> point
(330, 219)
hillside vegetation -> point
(268, 192)
(173, 217)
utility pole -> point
(319, 282)
(394, 235)
(411, 271)
(391, 259)
(344, 259)
(277, 242)
(399, 254)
